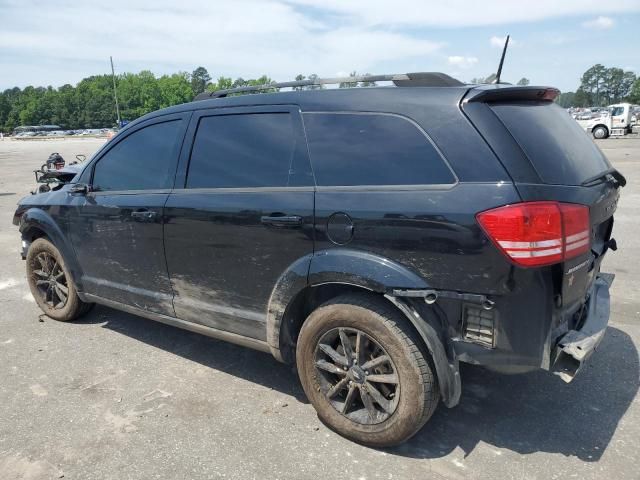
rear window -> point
(242, 150)
(558, 148)
(372, 149)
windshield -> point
(558, 148)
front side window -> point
(372, 149)
(144, 160)
(242, 151)
(616, 111)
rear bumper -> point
(575, 347)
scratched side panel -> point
(224, 262)
(122, 259)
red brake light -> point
(576, 229)
(533, 234)
(550, 94)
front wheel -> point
(362, 367)
(51, 284)
(600, 132)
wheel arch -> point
(36, 223)
(339, 271)
(340, 268)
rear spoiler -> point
(503, 93)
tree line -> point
(601, 86)
(90, 104)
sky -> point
(54, 42)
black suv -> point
(375, 237)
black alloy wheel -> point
(357, 376)
(50, 281)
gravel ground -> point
(115, 396)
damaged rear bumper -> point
(576, 346)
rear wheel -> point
(51, 284)
(361, 367)
(600, 132)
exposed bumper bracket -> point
(430, 296)
(576, 346)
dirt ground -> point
(115, 396)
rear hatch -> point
(551, 159)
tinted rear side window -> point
(144, 160)
(558, 148)
(372, 149)
(242, 150)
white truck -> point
(615, 122)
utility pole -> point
(115, 93)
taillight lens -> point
(533, 234)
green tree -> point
(566, 99)
(200, 78)
(174, 89)
(593, 81)
(634, 95)
(314, 77)
(223, 83)
(628, 80)
(582, 98)
(523, 82)
(299, 78)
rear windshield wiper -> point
(619, 178)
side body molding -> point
(36, 218)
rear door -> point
(242, 215)
(551, 158)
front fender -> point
(35, 219)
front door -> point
(117, 228)
(244, 216)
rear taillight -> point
(533, 234)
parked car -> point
(374, 237)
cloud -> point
(556, 39)
(236, 38)
(280, 38)
(600, 23)
(459, 13)
(462, 62)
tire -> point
(600, 132)
(379, 328)
(50, 280)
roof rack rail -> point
(420, 79)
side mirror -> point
(81, 188)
